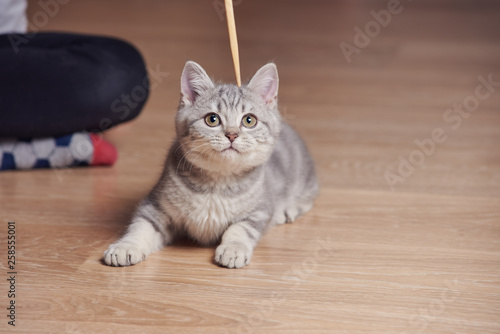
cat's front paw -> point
(233, 255)
(123, 254)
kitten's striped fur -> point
(215, 193)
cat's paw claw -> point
(123, 254)
(233, 255)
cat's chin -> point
(227, 162)
(230, 160)
(239, 161)
(230, 151)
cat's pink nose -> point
(231, 136)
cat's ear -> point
(194, 81)
(265, 83)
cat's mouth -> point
(230, 149)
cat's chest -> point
(216, 203)
(214, 208)
(207, 216)
(205, 210)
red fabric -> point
(105, 153)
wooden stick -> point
(233, 39)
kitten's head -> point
(225, 128)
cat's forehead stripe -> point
(231, 98)
(225, 103)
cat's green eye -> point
(249, 121)
(212, 120)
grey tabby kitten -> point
(235, 170)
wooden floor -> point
(414, 250)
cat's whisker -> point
(189, 142)
(204, 160)
(184, 157)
